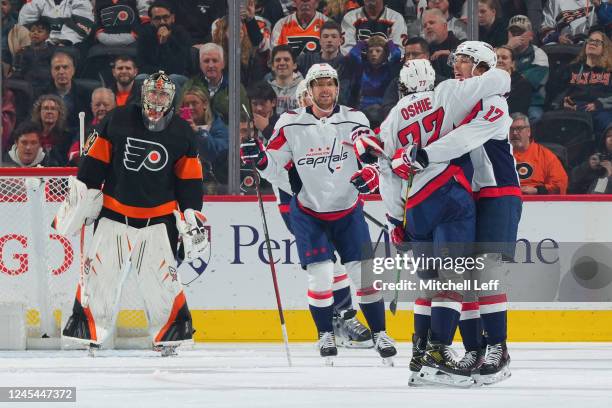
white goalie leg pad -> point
(364, 283)
(155, 267)
(341, 279)
(104, 273)
(81, 206)
(320, 278)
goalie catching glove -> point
(192, 233)
(81, 207)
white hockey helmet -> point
(157, 96)
(416, 76)
(317, 71)
(479, 51)
(301, 93)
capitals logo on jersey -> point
(144, 153)
(325, 156)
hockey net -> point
(40, 269)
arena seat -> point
(98, 64)
(572, 130)
(559, 57)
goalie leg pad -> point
(160, 286)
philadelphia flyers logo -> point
(144, 153)
(524, 170)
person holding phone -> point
(211, 132)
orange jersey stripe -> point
(139, 212)
(101, 149)
(179, 302)
(188, 168)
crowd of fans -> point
(62, 57)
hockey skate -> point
(440, 367)
(496, 366)
(166, 350)
(385, 347)
(472, 360)
(349, 331)
(418, 351)
(92, 349)
(327, 347)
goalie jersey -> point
(144, 174)
(320, 155)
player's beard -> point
(326, 103)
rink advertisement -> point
(230, 289)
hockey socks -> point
(422, 317)
(374, 314)
(493, 312)
(322, 317)
(470, 326)
(445, 312)
(342, 293)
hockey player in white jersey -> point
(484, 135)
(326, 213)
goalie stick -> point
(279, 305)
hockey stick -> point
(279, 305)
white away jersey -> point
(322, 156)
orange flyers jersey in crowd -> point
(289, 31)
(539, 167)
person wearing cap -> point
(531, 62)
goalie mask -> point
(157, 97)
(416, 76)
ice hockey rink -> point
(256, 375)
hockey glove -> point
(192, 233)
(81, 206)
(408, 161)
(367, 145)
(252, 152)
(397, 234)
(366, 180)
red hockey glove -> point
(252, 152)
(366, 180)
(367, 145)
(404, 162)
(397, 233)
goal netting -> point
(40, 269)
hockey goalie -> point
(141, 183)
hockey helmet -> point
(157, 96)
(323, 70)
(301, 93)
(416, 76)
(478, 51)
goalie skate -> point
(350, 332)
(327, 347)
(439, 367)
(166, 350)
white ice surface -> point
(555, 375)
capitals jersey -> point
(320, 151)
(145, 174)
(482, 132)
(288, 30)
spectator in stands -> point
(271, 10)
(26, 150)
(568, 21)
(540, 171)
(531, 62)
(102, 102)
(164, 45)
(71, 21)
(197, 17)
(595, 175)
(331, 40)
(9, 115)
(118, 21)
(300, 30)
(14, 36)
(212, 79)
(590, 85)
(285, 79)
(458, 27)
(76, 98)
(519, 98)
(529, 8)
(374, 18)
(33, 63)
(263, 105)
(125, 88)
(49, 112)
(491, 25)
(254, 43)
(441, 41)
(414, 48)
(211, 133)
(604, 15)
(370, 75)
(337, 9)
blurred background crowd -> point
(62, 57)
